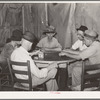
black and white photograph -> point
(50, 47)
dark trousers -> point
(62, 78)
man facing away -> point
(39, 76)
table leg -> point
(62, 78)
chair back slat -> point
(90, 76)
(20, 72)
(19, 63)
(21, 81)
(15, 72)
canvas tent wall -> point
(65, 17)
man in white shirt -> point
(38, 76)
(49, 42)
(77, 46)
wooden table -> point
(60, 60)
(62, 74)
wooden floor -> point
(10, 89)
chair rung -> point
(92, 84)
(20, 86)
(92, 67)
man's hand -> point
(52, 65)
(66, 50)
(34, 52)
(62, 53)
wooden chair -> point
(90, 77)
(17, 83)
(5, 78)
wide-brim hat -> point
(29, 37)
(49, 29)
(82, 28)
(16, 35)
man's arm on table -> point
(71, 51)
(75, 56)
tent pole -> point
(23, 22)
(46, 13)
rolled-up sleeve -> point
(76, 45)
(56, 44)
(40, 44)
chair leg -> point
(44, 85)
(0, 85)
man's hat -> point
(16, 35)
(49, 29)
(82, 28)
(29, 36)
(91, 34)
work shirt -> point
(21, 55)
(79, 45)
(45, 44)
(92, 52)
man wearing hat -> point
(39, 76)
(76, 48)
(78, 45)
(92, 53)
(9, 47)
(49, 42)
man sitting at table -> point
(92, 53)
(39, 76)
(77, 46)
(49, 42)
(9, 48)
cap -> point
(16, 35)
(82, 28)
(91, 34)
(29, 36)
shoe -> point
(91, 89)
(76, 88)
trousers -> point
(76, 73)
(50, 80)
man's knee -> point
(53, 72)
(77, 70)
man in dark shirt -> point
(9, 47)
